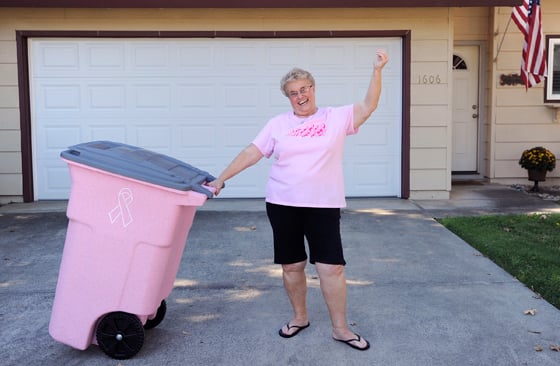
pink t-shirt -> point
(307, 171)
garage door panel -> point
(275, 101)
(196, 96)
(150, 56)
(101, 56)
(74, 99)
(236, 137)
(57, 97)
(104, 132)
(57, 137)
(57, 178)
(371, 138)
(390, 93)
(158, 137)
(48, 143)
(56, 56)
(333, 93)
(241, 96)
(242, 56)
(197, 138)
(203, 100)
(244, 185)
(193, 58)
(327, 55)
(106, 96)
(153, 96)
(373, 176)
(343, 89)
(282, 57)
(363, 59)
(108, 129)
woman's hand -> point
(217, 184)
(380, 60)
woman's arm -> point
(246, 158)
(363, 109)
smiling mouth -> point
(303, 102)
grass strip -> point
(526, 246)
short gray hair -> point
(295, 74)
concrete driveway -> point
(418, 293)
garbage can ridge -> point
(141, 164)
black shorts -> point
(320, 226)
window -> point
(552, 89)
(459, 63)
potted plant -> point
(537, 160)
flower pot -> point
(536, 175)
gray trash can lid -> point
(141, 164)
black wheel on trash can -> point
(160, 314)
(120, 335)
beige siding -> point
(522, 115)
(430, 112)
(429, 158)
(429, 115)
(8, 96)
(429, 183)
(9, 119)
(7, 52)
(10, 163)
(432, 42)
(428, 138)
(11, 187)
(471, 24)
(520, 119)
(8, 74)
(515, 119)
(530, 135)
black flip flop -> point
(349, 342)
(299, 328)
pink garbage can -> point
(130, 212)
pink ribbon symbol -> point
(121, 210)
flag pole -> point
(502, 41)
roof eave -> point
(254, 3)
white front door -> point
(465, 109)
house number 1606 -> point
(429, 79)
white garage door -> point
(203, 100)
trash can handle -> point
(210, 188)
(200, 185)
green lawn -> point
(526, 246)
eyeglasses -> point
(302, 91)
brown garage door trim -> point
(22, 39)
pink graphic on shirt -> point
(310, 130)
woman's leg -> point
(295, 283)
(333, 287)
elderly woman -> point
(305, 192)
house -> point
(197, 81)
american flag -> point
(528, 19)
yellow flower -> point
(538, 158)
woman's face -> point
(302, 97)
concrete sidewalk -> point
(418, 293)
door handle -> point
(475, 115)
